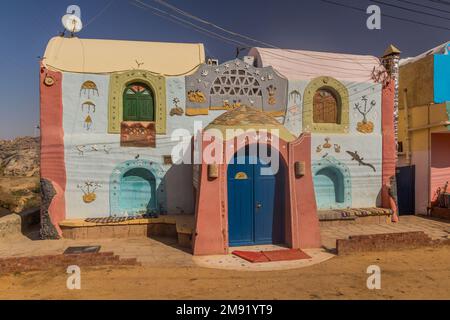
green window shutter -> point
(146, 109)
(130, 109)
(138, 103)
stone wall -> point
(43, 263)
(385, 242)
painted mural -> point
(92, 153)
(96, 156)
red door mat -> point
(271, 256)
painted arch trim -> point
(115, 183)
(332, 163)
(119, 83)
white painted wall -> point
(98, 166)
(366, 184)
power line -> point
(410, 10)
(446, 3)
(424, 6)
(273, 54)
(166, 15)
(191, 16)
(101, 12)
(387, 15)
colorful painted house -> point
(424, 130)
(126, 126)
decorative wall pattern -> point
(293, 120)
(89, 189)
(233, 84)
(90, 89)
(83, 149)
(365, 182)
(118, 83)
(341, 91)
(356, 157)
(328, 147)
(85, 105)
(88, 107)
(138, 134)
(364, 107)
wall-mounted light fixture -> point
(213, 171)
(300, 169)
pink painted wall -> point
(52, 142)
(389, 148)
(301, 224)
(440, 161)
(305, 221)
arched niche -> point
(332, 184)
(135, 168)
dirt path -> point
(414, 274)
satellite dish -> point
(72, 23)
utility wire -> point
(273, 54)
(166, 15)
(191, 16)
(446, 3)
(424, 6)
(410, 10)
(101, 12)
(387, 15)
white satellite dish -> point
(72, 23)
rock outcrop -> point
(19, 157)
(19, 174)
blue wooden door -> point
(251, 204)
(137, 192)
(265, 211)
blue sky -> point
(27, 25)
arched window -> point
(326, 106)
(138, 103)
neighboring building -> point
(110, 110)
(424, 129)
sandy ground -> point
(413, 274)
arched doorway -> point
(138, 103)
(332, 184)
(137, 192)
(256, 206)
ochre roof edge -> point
(99, 56)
